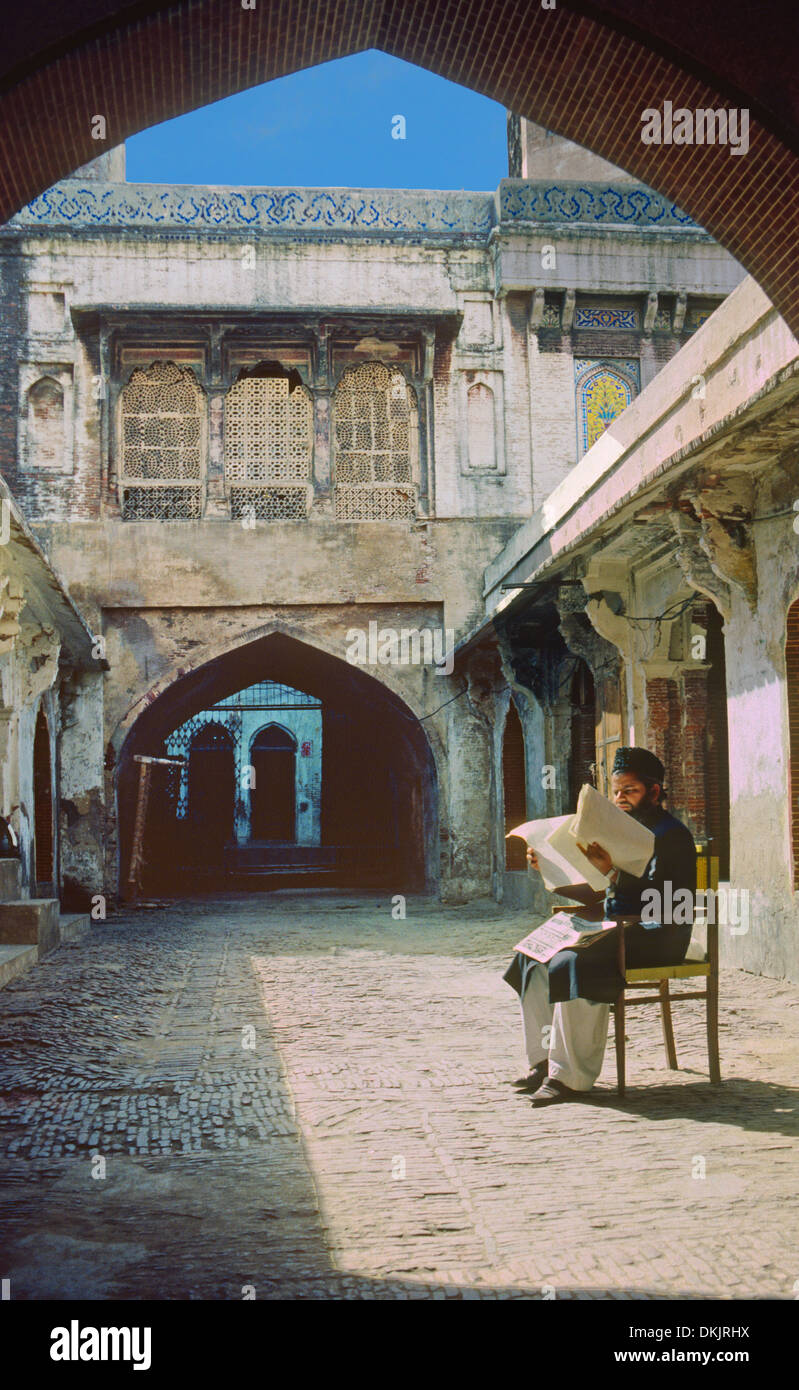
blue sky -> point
(331, 126)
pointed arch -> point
(514, 786)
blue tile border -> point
(351, 211)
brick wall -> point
(687, 729)
(663, 734)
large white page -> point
(561, 847)
(558, 870)
(629, 844)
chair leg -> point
(668, 1030)
(713, 1029)
(619, 1025)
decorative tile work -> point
(696, 317)
(662, 322)
(211, 729)
(311, 210)
(604, 389)
(314, 211)
(619, 204)
(225, 716)
(605, 318)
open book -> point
(559, 933)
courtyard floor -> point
(297, 1096)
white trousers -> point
(572, 1035)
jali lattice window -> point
(162, 445)
(604, 390)
(375, 438)
(269, 449)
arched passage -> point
(582, 762)
(514, 787)
(581, 69)
(379, 800)
(43, 805)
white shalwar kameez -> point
(577, 1031)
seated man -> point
(581, 984)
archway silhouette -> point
(44, 873)
(273, 758)
(583, 69)
(211, 793)
(379, 781)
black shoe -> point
(554, 1092)
(536, 1078)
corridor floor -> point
(298, 1096)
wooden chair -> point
(658, 977)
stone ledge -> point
(10, 871)
(15, 960)
(73, 926)
(32, 921)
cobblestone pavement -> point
(299, 1096)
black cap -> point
(640, 762)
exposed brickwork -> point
(693, 750)
(565, 71)
(687, 729)
(663, 708)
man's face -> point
(629, 794)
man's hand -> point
(531, 859)
(599, 857)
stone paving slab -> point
(297, 1093)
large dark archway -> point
(586, 69)
(379, 787)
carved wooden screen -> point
(269, 449)
(162, 445)
(375, 428)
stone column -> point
(82, 795)
(217, 503)
(466, 851)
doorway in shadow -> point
(273, 756)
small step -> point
(72, 926)
(15, 960)
(10, 880)
(30, 921)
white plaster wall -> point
(553, 421)
(757, 713)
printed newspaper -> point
(560, 933)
